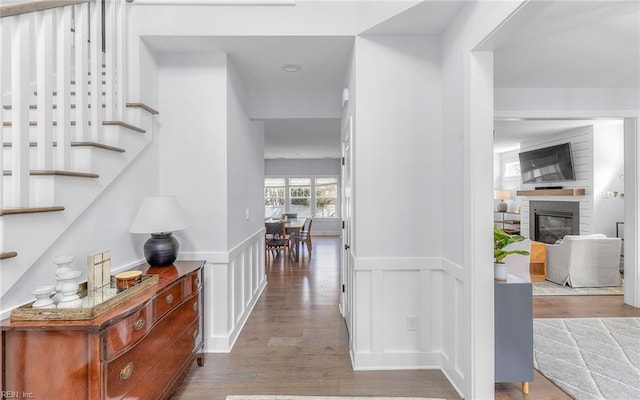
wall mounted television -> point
(548, 164)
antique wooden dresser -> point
(140, 349)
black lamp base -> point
(161, 249)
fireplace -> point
(550, 221)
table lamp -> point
(160, 216)
(502, 195)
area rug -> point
(279, 397)
(546, 288)
(590, 358)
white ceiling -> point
(302, 138)
(560, 44)
(259, 59)
(565, 44)
(572, 44)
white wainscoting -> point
(454, 328)
(387, 292)
(233, 283)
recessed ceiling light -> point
(291, 67)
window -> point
(274, 199)
(512, 169)
(305, 196)
(326, 197)
(300, 196)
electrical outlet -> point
(412, 323)
(247, 214)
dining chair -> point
(275, 239)
(304, 236)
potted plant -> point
(502, 239)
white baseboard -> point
(395, 361)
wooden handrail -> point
(54, 172)
(76, 144)
(36, 5)
(29, 210)
(144, 107)
(8, 254)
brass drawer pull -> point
(195, 306)
(195, 334)
(168, 299)
(126, 372)
(139, 324)
(196, 282)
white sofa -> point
(585, 261)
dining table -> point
(292, 227)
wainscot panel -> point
(233, 283)
(454, 349)
(398, 318)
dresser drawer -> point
(136, 368)
(127, 332)
(167, 299)
(193, 283)
(161, 368)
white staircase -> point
(67, 131)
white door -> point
(346, 273)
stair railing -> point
(51, 61)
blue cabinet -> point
(513, 307)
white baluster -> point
(110, 58)
(44, 87)
(3, 87)
(82, 71)
(20, 110)
(95, 66)
(63, 85)
(119, 60)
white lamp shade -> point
(502, 194)
(159, 214)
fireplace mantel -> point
(552, 192)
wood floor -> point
(295, 342)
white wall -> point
(211, 159)
(515, 99)
(397, 154)
(291, 167)
(316, 103)
(467, 159)
(608, 174)
(396, 98)
(193, 145)
(245, 166)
